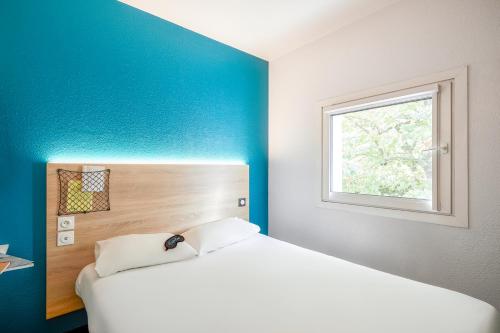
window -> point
(394, 150)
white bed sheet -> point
(268, 286)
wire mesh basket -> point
(83, 191)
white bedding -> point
(268, 286)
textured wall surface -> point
(406, 40)
(87, 80)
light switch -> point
(65, 238)
(65, 223)
(242, 202)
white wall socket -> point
(65, 238)
(65, 223)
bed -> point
(265, 285)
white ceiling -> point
(265, 28)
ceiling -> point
(267, 29)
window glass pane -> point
(379, 151)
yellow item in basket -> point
(78, 201)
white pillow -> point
(211, 236)
(137, 250)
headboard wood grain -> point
(144, 199)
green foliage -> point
(382, 150)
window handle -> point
(443, 149)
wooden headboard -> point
(144, 199)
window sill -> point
(448, 220)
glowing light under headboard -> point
(111, 160)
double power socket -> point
(65, 230)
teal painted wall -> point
(84, 80)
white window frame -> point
(450, 168)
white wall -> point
(409, 39)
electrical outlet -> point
(65, 238)
(242, 202)
(65, 223)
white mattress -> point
(265, 285)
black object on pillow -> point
(172, 242)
